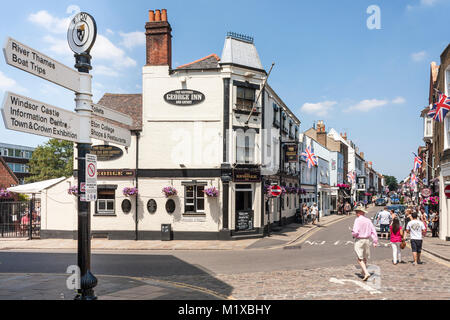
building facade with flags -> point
(209, 138)
(441, 143)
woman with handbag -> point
(397, 241)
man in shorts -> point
(363, 230)
(416, 229)
(385, 218)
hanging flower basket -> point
(73, 191)
(283, 191)
(431, 201)
(5, 194)
(128, 192)
(211, 192)
(169, 191)
(344, 186)
(300, 191)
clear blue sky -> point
(371, 84)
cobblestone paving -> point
(401, 282)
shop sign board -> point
(101, 130)
(291, 153)
(32, 61)
(107, 153)
(246, 175)
(91, 178)
(115, 173)
(111, 114)
(426, 192)
(184, 98)
(27, 115)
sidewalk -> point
(437, 247)
(286, 235)
(53, 287)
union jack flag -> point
(417, 163)
(351, 177)
(413, 180)
(310, 157)
(440, 108)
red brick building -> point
(7, 177)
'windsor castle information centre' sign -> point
(31, 116)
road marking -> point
(358, 283)
(337, 242)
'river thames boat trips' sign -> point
(184, 97)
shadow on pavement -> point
(158, 267)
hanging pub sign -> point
(184, 97)
(246, 175)
(107, 153)
(115, 173)
(291, 153)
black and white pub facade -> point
(205, 146)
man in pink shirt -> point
(363, 230)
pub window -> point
(194, 199)
(245, 147)
(245, 98)
(106, 203)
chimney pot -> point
(164, 15)
(158, 15)
(151, 16)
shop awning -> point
(36, 187)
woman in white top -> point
(314, 212)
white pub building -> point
(201, 156)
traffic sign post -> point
(81, 37)
(447, 191)
(276, 191)
(91, 178)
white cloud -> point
(8, 84)
(58, 46)
(399, 100)
(105, 50)
(105, 71)
(423, 3)
(367, 105)
(132, 39)
(49, 22)
(418, 56)
(321, 108)
(109, 31)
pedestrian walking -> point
(314, 211)
(416, 229)
(363, 230)
(384, 218)
(347, 208)
(434, 224)
(305, 213)
(396, 235)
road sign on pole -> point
(27, 59)
(275, 191)
(27, 115)
(447, 192)
(91, 178)
(111, 114)
(110, 133)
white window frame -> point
(195, 199)
(106, 210)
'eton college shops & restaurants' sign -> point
(184, 97)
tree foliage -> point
(391, 182)
(52, 160)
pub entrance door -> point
(244, 207)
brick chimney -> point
(362, 156)
(321, 134)
(158, 34)
(344, 136)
